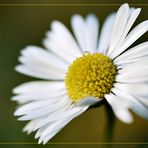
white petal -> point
(134, 54)
(39, 90)
(55, 108)
(133, 14)
(137, 90)
(132, 67)
(133, 89)
(57, 115)
(60, 41)
(24, 98)
(88, 101)
(49, 109)
(30, 127)
(52, 117)
(40, 122)
(31, 106)
(105, 35)
(136, 106)
(41, 64)
(144, 100)
(139, 79)
(131, 71)
(36, 86)
(143, 79)
(86, 32)
(37, 55)
(40, 71)
(136, 33)
(50, 131)
(92, 29)
(36, 107)
(132, 18)
(124, 115)
(120, 108)
(119, 26)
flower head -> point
(79, 73)
(92, 79)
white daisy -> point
(79, 73)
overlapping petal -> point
(86, 32)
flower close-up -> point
(77, 72)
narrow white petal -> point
(136, 33)
(134, 54)
(78, 25)
(105, 35)
(30, 127)
(36, 86)
(88, 101)
(24, 98)
(35, 105)
(50, 131)
(143, 79)
(117, 101)
(132, 18)
(119, 26)
(136, 106)
(93, 30)
(133, 14)
(132, 67)
(137, 90)
(60, 41)
(40, 71)
(37, 55)
(52, 117)
(39, 90)
(86, 31)
(120, 108)
(141, 63)
(124, 115)
(142, 71)
(130, 79)
(133, 89)
(41, 64)
(46, 120)
(46, 110)
(132, 72)
(43, 122)
(144, 100)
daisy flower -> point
(79, 72)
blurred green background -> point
(26, 25)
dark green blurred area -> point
(26, 25)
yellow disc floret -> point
(90, 75)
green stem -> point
(110, 123)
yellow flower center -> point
(90, 75)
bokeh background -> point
(26, 25)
